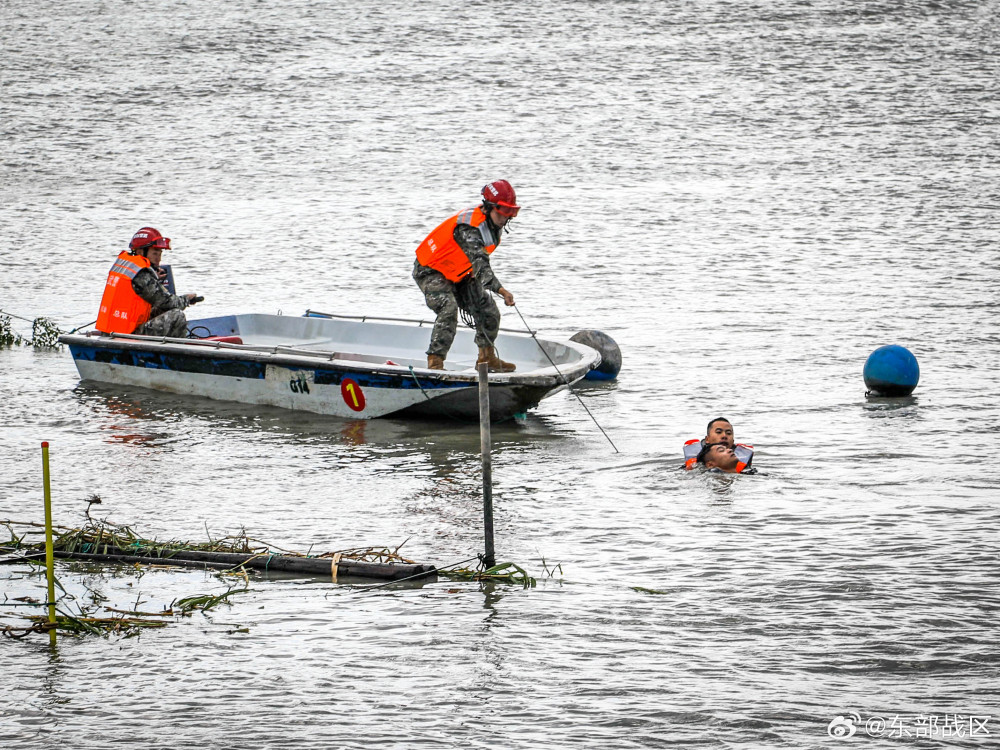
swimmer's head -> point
(718, 456)
(720, 430)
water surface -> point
(749, 198)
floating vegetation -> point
(103, 541)
(44, 333)
(203, 602)
(84, 622)
(103, 626)
(551, 572)
(369, 555)
(506, 572)
(100, 536)
(15, 540)
(93, 617)
(8, 337)
(103, 537)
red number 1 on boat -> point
(353, 396)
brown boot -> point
(434, 362)
(488, 354)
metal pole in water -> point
(485, 449)
(49, 558)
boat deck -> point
(391, 344)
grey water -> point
(749, 197)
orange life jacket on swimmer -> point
(440, 251)
(744, 454)
(122, 310)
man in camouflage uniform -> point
(475, 232)
(119, 304)
(166, 318)
(445, 297)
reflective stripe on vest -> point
(440, 251)
(693, 447)
(122, 310)
(691, 450)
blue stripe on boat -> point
(235, 368)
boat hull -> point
(319, 382)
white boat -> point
(346, 366)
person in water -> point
(142, 306)
(719, 432)
(453, 271)
(723, 458)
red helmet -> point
(500, 195)
(148, 237)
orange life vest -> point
(440, 251)
(693, 447)
(122, 310)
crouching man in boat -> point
(135, 300)
(719, 432)
(453, 271)
(722, 457)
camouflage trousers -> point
(445, 298)
(172, 323)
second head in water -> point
(723, 458)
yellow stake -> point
(49, 557)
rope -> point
(85, 325)
(12, 315)
(565, 379)
(32, 320)
(417, 381)
(191, 332)
(44, 330)
(464, 294)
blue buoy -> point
(611, 355)
(891, 370)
